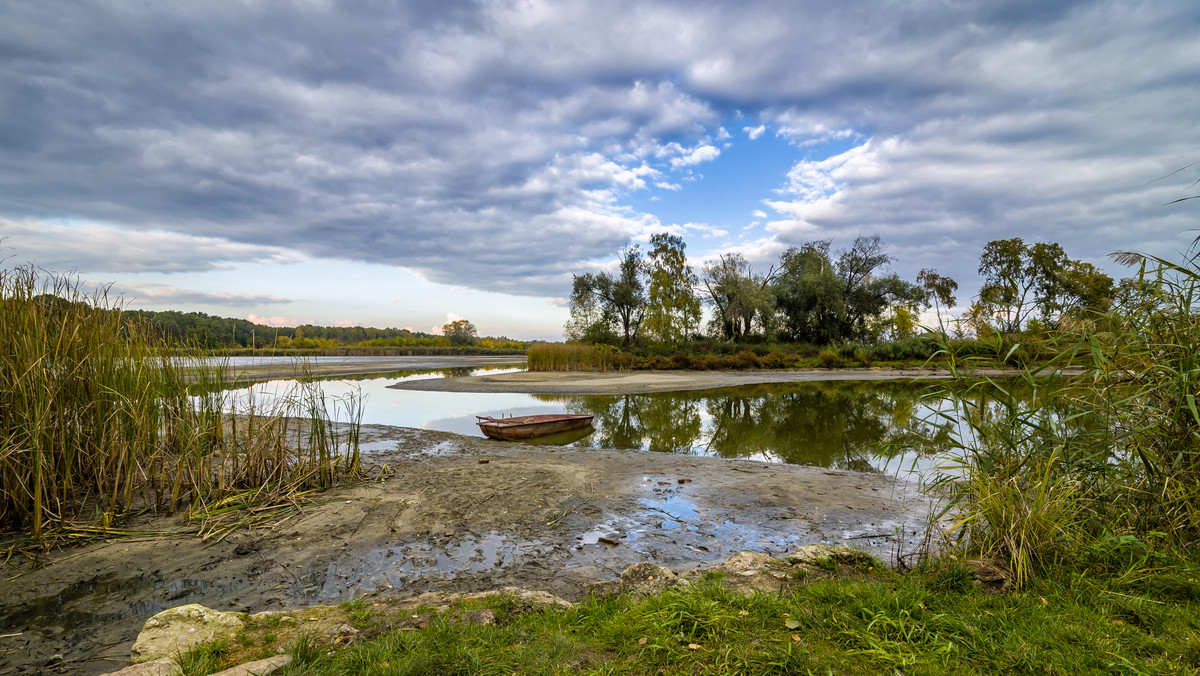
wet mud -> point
(455, 514)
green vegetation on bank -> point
(1114, 453)
(707, 355)
(812, 296)
(239, 336)
(1119, 610)
(98, 420)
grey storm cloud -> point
(489, 144)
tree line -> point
(815, 295)
(215, 333)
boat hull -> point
(532, 426)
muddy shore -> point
(455, 514)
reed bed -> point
(1113, 455)
(570, 357)
(98, 420)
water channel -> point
(872, 426)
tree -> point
(866, 294)
(940, 289)
(601, 304)
(460, 332)
(588, 322)
(673, 310)
(625, 295)
(736, 293)
(1022, 281)
(808, 293)
(1083, 292)
(824, 302)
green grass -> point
(1120, 609)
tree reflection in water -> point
(831, 424)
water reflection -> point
(839, 425)
(843, 425)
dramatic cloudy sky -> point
(398, 163)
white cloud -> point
(95, 247)
(704, 153)
(162, 294)
(276, 321)
(496, 146)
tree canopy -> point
(460, 332)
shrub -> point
(830, 358)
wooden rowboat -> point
(530, 426)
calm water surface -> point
(831, 424)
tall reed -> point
(1113, 452)
(97, 419)
(570, 357)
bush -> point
(830, 358)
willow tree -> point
(824, 301)
(738, 295)
(673, 311)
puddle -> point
(71, 614)
(430, 559)
(440, 449)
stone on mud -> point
(816, 554)
(649, 578)
(178, 629)
(163, 666)
(748, 573)
(443, 600)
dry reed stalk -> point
(98, 418)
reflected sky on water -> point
(830, 424)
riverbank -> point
(266, 368)
(452, 513)
(643, 382)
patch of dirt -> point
(543, 518)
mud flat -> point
(456, 514)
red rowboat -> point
(529, 426)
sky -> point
(391, 164)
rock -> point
(258, 667)
(179, 629)
(649, 578)
(748, 573)
(163, 666)
(815, 555)
(483, 617)
(991, 577)
(443, 600)
(746, 562)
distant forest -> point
(214, 333)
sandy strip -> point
(347, 366)
(641, 382)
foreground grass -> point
(1140, 616)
